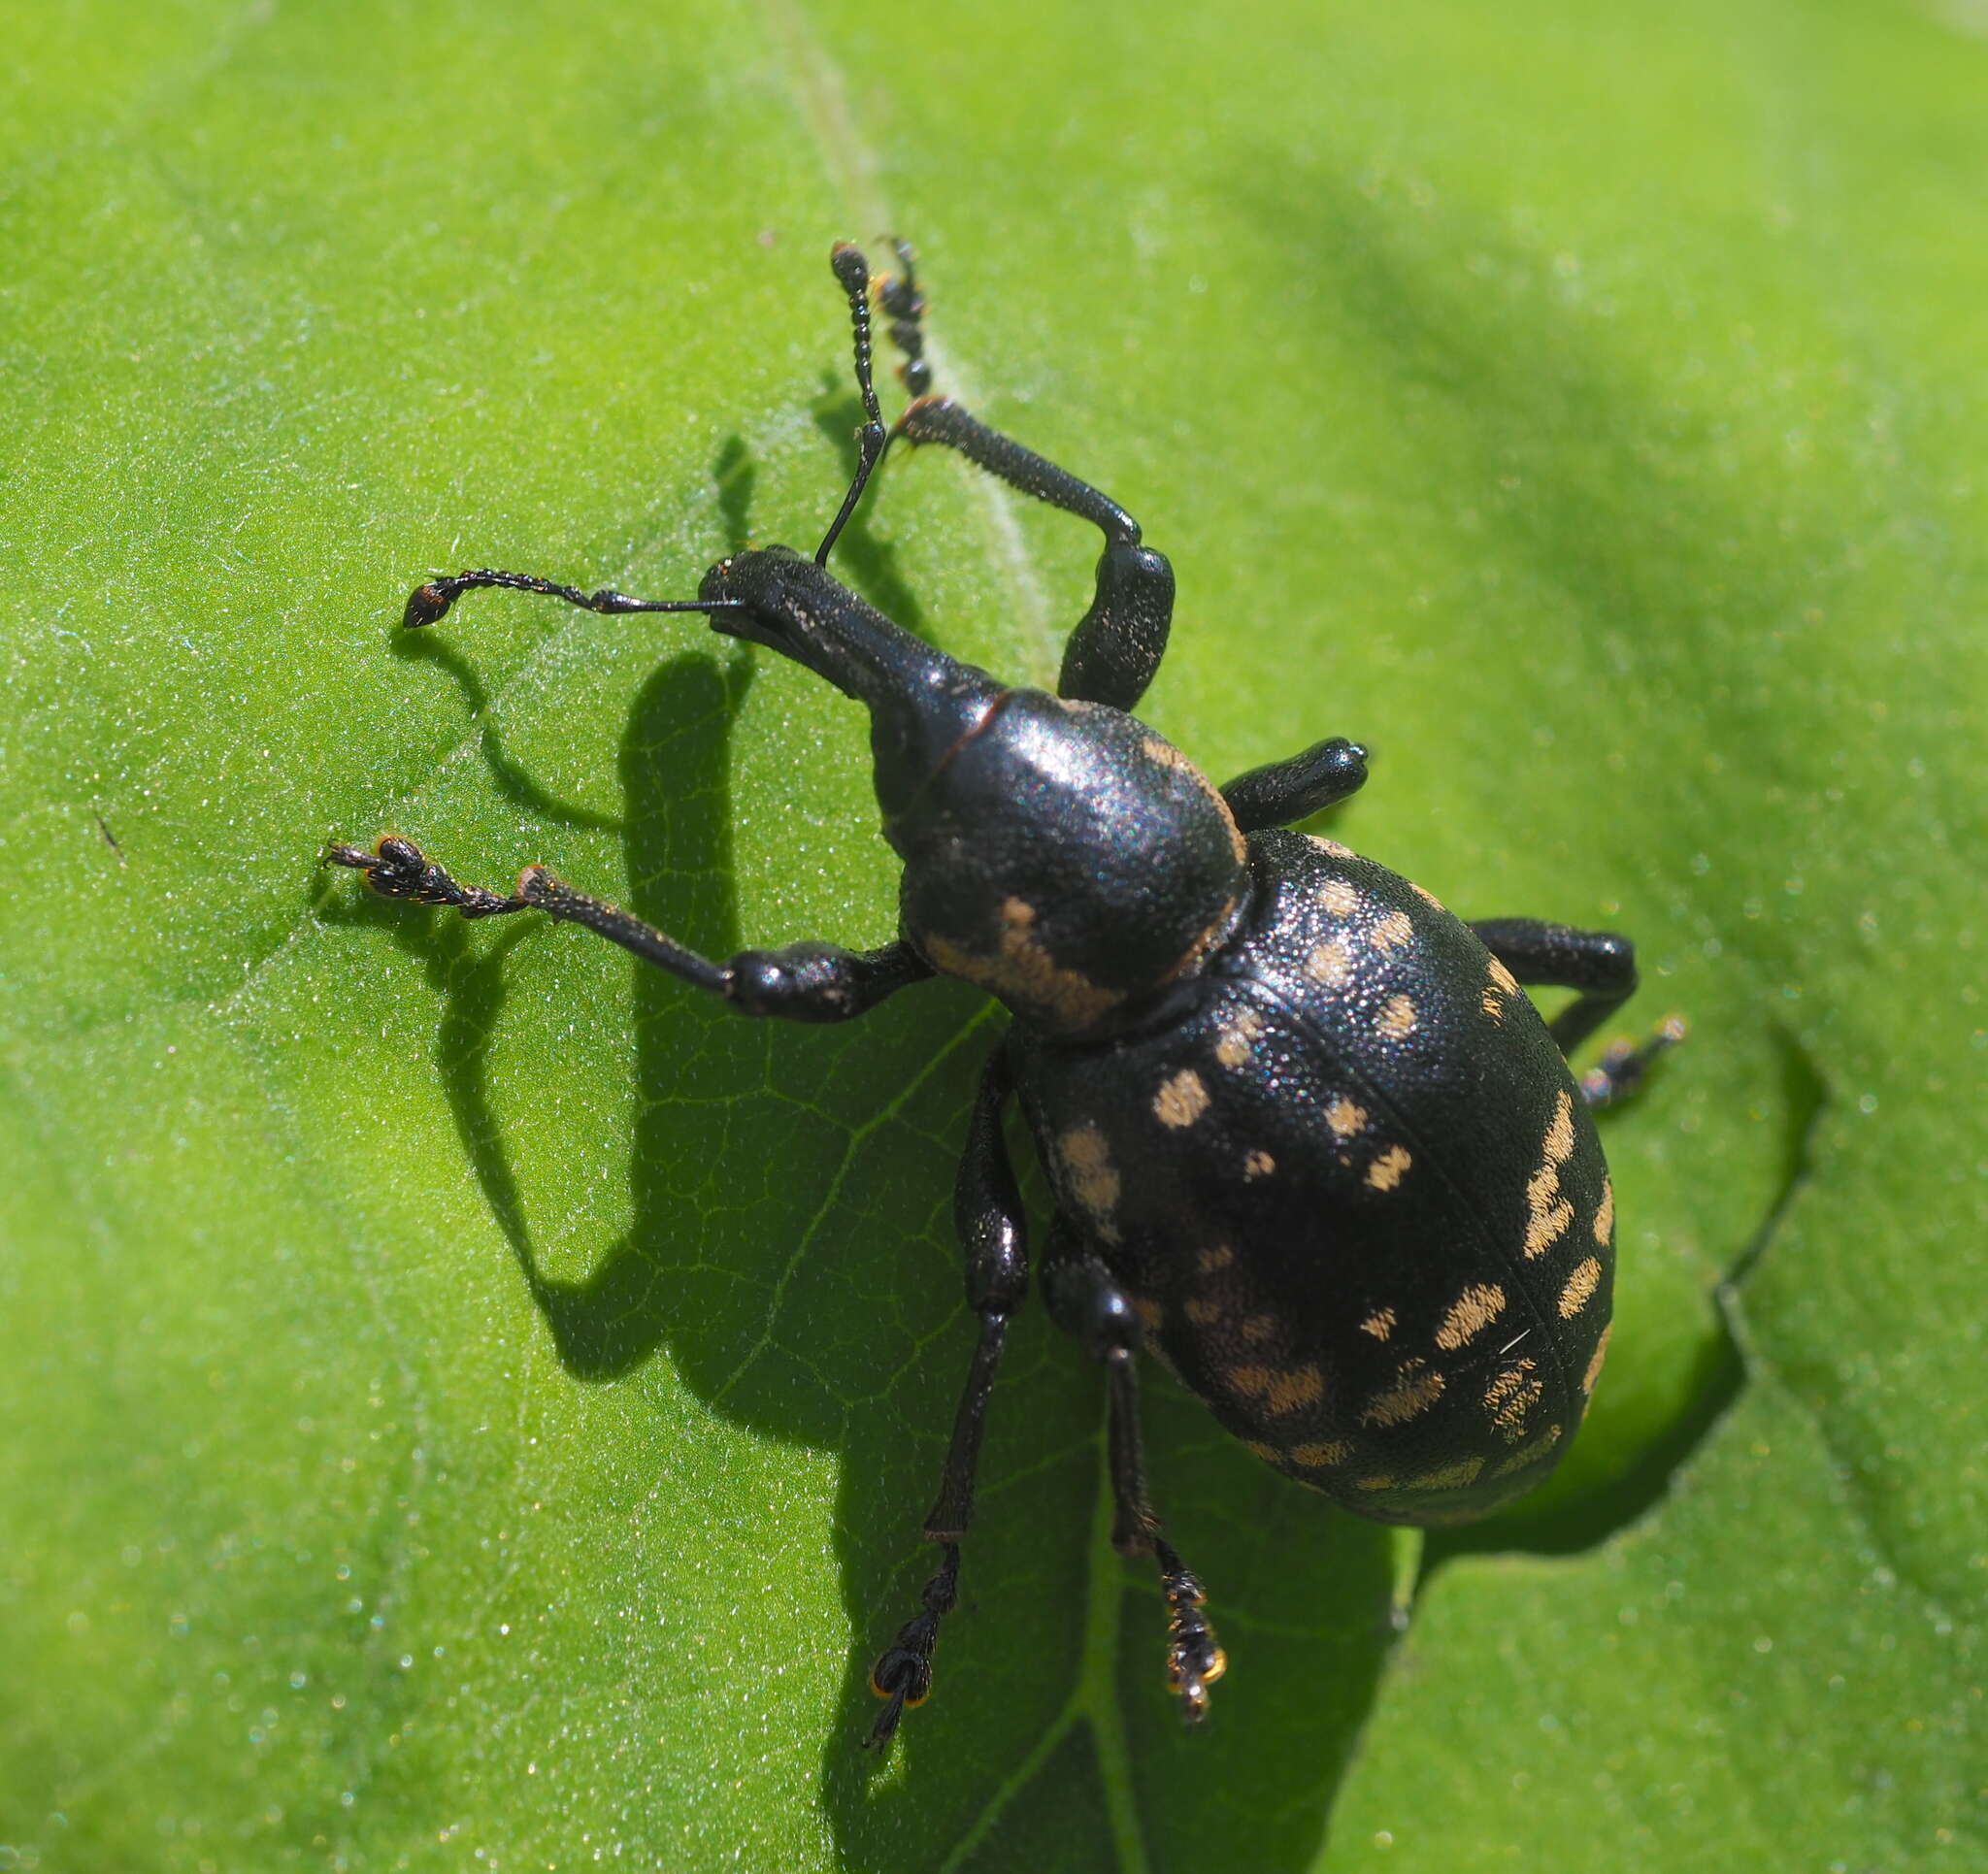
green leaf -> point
(471, 1405)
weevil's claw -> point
(1194, 1661)
(397, 867)
(902, 1676)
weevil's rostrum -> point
(1310, 1143)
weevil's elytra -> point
(1310, 1143)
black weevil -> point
(1310, 1143)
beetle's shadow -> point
(790, 1245)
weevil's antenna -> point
(852, 271)
(428, 603)
(899, 296)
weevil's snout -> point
(715, 587)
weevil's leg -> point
(1602, 967)
(801, 982)
(1296, 787)
(1620, 1070)
(429, 604)
(1085, 1300)
(1117, 645)
(987, 1210)
(899, 296)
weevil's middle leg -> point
(987, 1210)
(1085, 1300)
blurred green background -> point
(469, 1405)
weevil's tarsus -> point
(1623, 1066)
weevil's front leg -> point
(987, 1211)
(1296, 787)
(1117, 645)
(801, 983)
(1085, 1300)
(1602, 967)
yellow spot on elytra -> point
(1527, 1453)
(1379, 1324)
(1250, 1381)
(1202, 1312)
(1605, 1216)
(1493, 1005)
(1385, 1172)
(1504, 977)
(1293, 1388)
(1447, 1476)
(1580, 1288)
(1560, 1133)
(1469, 1314)
(1331, 846)
(1393, 931)
(1331, 964)
(1427, 897)
(1243, 1027)
(1316, 1457)
(1373, 1483)
(1339, 898)
(1544, 1228)
(1600, 1353)
(1181, 1100)
(1267, 1452)
(1397, 1019)
(1414, 1391)
(1258, 1165)
(1511, 1396)
(1148, 1311)
(1549, 1213)
(1343, 1117)
(1259, 1327)
(1217, 1256)
(1087, 1165)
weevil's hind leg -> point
(1299, 786)
(987, 1211)
(1602, 968)
(1086, 1301)
(801, 982)
(1117, 645)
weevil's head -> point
(922, 703)
(1057, 853)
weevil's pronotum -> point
(1309, 1143)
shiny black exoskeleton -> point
(1310, 1143)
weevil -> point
(1310, 1144)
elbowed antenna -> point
(852, 273)
(429, 604)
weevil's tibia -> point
(1621, 1068)
(904, 305)
(993, 1233)
(852, 274)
